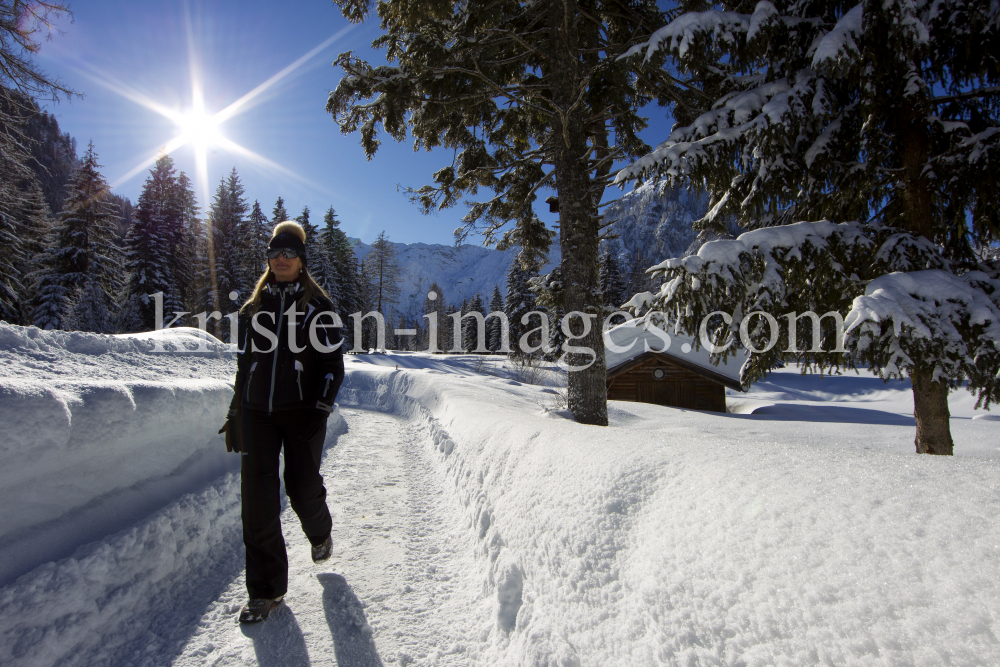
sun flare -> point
(200, 129)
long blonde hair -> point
(310, 288)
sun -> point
(200, 129)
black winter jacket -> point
(287, 379)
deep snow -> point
(801, 530)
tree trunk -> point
(578, 220)
(930, 408)
(930, 399)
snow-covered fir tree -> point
(400, 342)
(24, 214)
(12, 288)
(24, 208)
(260, 233)
(470, 326)
(278, 213)
(367, 295)
(612, 282)
(344, 264)
(880, 113)
(460, 337)
(234, 266)
(20, 81)
(151, 250)
(82, 270)
(189, 266)
(520, 300)
(557, 336)
(322, 269)
(312, 234)
(435, 309)
(494, 326)
(90, 309)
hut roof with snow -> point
(651, 366)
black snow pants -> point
(302, 433)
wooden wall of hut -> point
(676, 386)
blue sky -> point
(119, 53)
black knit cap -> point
(288, 240)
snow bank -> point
(100, 431)
(179, 341)
(677, 537)
(85, 607)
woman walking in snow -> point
(287, 379)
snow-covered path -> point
(400, 555)
(477, 524)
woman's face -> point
(285, 269)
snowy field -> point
(475, 524)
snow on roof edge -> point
(636, 337)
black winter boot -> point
(322, 551)
(257, 609)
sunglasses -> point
(287, 253)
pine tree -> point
(12, 288)
(401, 342)
(189, 267)
(383, 268)
(20, 82)
(881, 113)
(25, 206)
(312, 234)
(367, 294)
(494, 327)
(344, 263)
(82, 268)
(435, 309)
(91, 309)
(415, 340)
(53, 156)
(528, 95)
(520, 301)
(151, 250)
(234, 264)
(279, 214)
(260, 234)
(325, 273)
(612, 284)
(470, 326)
(459, 337)
(557, 336)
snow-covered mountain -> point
(652, 223)
(461, 271)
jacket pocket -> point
(298, 377)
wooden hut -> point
(677, 376)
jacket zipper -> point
(246, 387)
(327, 387)
(274, 363)
(298, 377)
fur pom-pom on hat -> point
(290, 227)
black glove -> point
(325, 408)
(232, 430)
